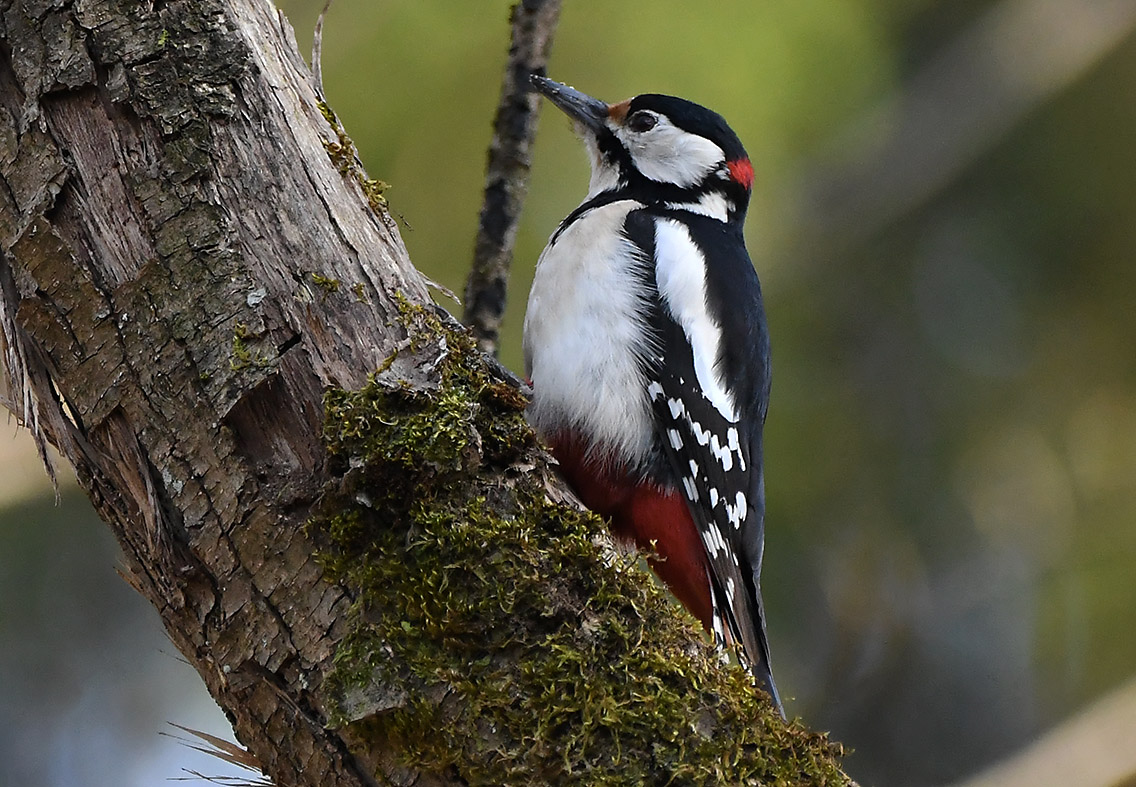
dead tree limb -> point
(507, 169)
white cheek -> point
(671, 155)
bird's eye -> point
(642, 121)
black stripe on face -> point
(613, 152)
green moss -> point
(564, 662)
(326, 284)
(242, 356)
(328, 113)
(346, 159)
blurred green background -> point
(943, 221)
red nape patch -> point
(741, 171)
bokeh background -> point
(944, 221)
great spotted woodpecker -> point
(646, 344)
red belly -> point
(654, 519)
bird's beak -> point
(588, 111)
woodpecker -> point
(646, 344)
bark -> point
(171, 227)
(191, 258)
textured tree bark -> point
(173, 234)
(190, 258)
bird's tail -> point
(763, 676)
(752, 650)
(759, 660)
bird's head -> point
(660, 149)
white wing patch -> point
(680, 271)
(676, 408)
(732, 444)
(690, 489)
(716, 621)
(736, 513)
(700, 434)
(722, 454)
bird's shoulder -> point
(701, 275)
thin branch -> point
(317, 51)
(510, 157)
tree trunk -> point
(378, 578)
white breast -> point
(583, 337)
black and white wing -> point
(709, 398)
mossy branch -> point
(561, 660)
